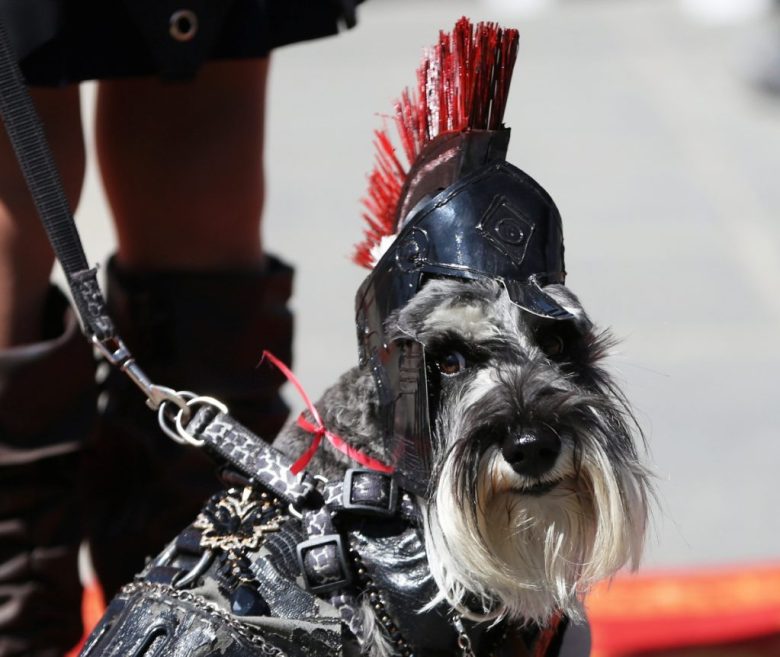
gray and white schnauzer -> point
(500, 475)
(501, 472)
(480, 379)
(481, 382)
(536, 489)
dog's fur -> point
(494, 535)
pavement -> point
(664, 163)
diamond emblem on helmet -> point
(506, 228)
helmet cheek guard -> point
(495, 223)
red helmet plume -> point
(462, 84)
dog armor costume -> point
(282, 563)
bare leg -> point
(25, 256)
(182, 166)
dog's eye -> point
(552, 345)
(451, 363)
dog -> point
(538, 490)
(535, 490)
(502, 472)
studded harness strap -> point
(323, 558)
(280, 564)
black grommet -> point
(183, 25)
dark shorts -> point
(64, 41)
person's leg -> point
(192, 293)
(47, 407)
(182, 165)
(25, 255)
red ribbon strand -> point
(318, 430)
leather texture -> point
(152, 619)
(395, 562)
(230, 441)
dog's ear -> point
(577, 345)
(566, 298)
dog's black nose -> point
(531, 452)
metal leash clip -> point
(172, 421)
(116, 352)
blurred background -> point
(655, 125)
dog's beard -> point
(496, 551)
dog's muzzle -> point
(531, 452)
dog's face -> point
(537, 489)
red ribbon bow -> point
(317, 428)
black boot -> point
(47, 409)
(198, 331)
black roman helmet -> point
(460, 210)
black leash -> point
(177, 411)
(196, 420)
(187, 418)
(25, 132)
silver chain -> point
(464, 642)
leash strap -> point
(222, 435)
(225, 438)
(25, 132)
(324, 559)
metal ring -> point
(295, 513)
(163, 419)
(196, 571)
(183, 434)
(183, 25)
